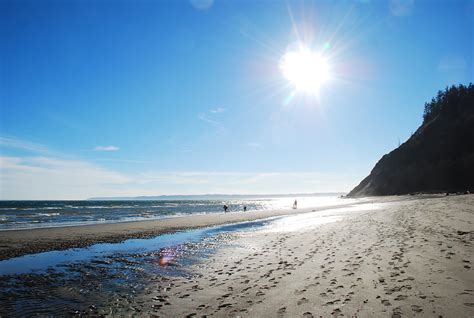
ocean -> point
(41, 214)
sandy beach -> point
(399, 256)
(408, 258)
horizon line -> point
(183, 195)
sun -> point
(306, 70)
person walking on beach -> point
(295, 205)
(245, 208)
(225, 208)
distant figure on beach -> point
(225, 208)
(245, 208)
(295, 205)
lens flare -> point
(167, 257)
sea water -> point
(39, 214)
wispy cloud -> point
(49, 176)
(402, 8)
(42, 173)
(202, 4)
(106, 148)
(209, 117)
(205, 118)
(137, 161)
(217, 110)
(13, 142)
(54, 178)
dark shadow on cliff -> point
(439, 156)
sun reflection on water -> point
(310, 220)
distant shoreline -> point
(188, 197)
(215, 196)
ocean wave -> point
(103, 207)
(166, 205)
(46, 214)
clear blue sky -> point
(104, 98)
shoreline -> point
(19, 242)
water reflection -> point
(311, 220)
(81, 281)
(84, 280)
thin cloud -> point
(202, 4)
(138, 161)
(16, 143)
(42, 178)
(217, 110)
(47, 176)
(106, 148)
(208, 118)
(205, 118)
(402, 8)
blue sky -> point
(114, 98)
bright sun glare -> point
(306, 70)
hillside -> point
(439, 156)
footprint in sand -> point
(401, 297)
(299, 292)
(416, 308)
(302, 301)
(396, 313)
(308, 315)
(333, 302)
(336, 312)
(282, 310)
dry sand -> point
(408, 258)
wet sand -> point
(409, 258)
(15, 243)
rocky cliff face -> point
(439, 156)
